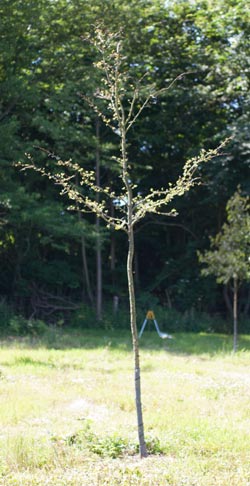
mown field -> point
(67, 413)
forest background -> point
(62, 267)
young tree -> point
(119, 101)
(229, 257)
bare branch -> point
(167, 223)
(152, 94)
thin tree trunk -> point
(98, 236)
(112, 251)
(235, 313)
(140, 426)
(168, 298)
(130, 276)
(85, 270)
(98, 272)
(228, 302)
(131, 290)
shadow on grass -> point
(182, 343)
(205, 343)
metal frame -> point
(162, 335)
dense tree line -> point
(53, 260)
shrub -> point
(17, 325)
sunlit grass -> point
(67, 411)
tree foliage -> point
(229, 256)
(45, 64)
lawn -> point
(67, 413)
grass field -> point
(67, 413)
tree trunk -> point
(142, 445)
(85, 271)
(98, 272)
(131, 291)
(228, 302)
(98, 236)
(112, 253)
(168, 298)
(235, 313)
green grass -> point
(67, 410)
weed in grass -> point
(107, 446)
(113, 446)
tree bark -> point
(140, 425)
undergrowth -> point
(113, 446)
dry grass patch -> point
(67, 414)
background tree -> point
(43, 66)
(229, 257)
